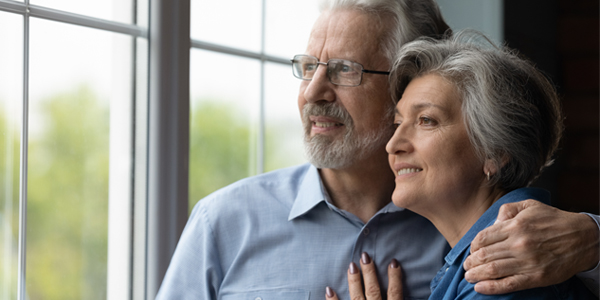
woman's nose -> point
(400, 141)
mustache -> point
(328, 109)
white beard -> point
(335, 153)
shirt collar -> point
(490, 215)
(310, 193)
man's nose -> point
(319, 88)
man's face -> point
(346, 124)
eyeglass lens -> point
(339, 71)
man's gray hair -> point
(402, 20)
(511, 110)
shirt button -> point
(258, 298)
(366, 231)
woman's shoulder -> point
(572, 289)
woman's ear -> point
(489, 168)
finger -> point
(493, 234)
(330, 294)
(372, 291)
(355, 283)
(510, 210)
(502, 286)
(493, 270)
(395, 289)
(486, 254)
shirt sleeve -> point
(194, 271)
(590, 278)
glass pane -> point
(114, 10)
(231, 23)
(288, 25)
(224, 116)
(80, 91)
(283, 128)
(142, 15)
(11, 96)
(140, 171)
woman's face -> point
(430, 153)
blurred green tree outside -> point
(219, 148)
(67, 217)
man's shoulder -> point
(280, 186)
(289, 177)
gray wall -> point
(483, 15)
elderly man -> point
(290, 233)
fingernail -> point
(394, 264)
(353, 268)
(329, 292)
(365, 258)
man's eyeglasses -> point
(339, 71)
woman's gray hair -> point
(402, 20)
(511, 110)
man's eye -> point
(345, 69)
(309, 68)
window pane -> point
(80, 88)
(230, 23)
(283, 128)
(114, 10)
(224, 116)
(11, 102)
(288, 25)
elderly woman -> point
(475, 125)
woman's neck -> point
(454, 220)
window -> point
(69, 83)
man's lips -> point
(322, 124)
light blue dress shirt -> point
(275, 236)
(450, 283)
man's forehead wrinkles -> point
(345, 35)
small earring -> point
(488, 175)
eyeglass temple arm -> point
(376, 72)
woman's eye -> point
(426, 121)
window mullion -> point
(21, 291)
(168, 150)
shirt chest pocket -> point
(268, 295)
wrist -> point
(592, 236)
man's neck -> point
(362, 189)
